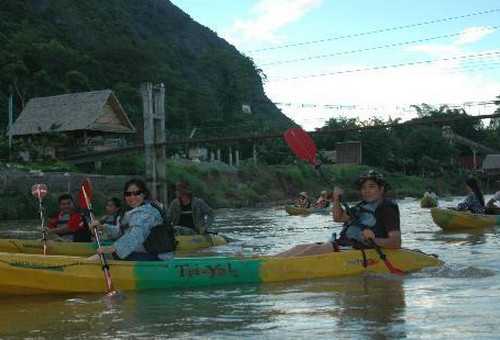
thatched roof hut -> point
(98, 111)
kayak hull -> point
(185, 243)
(30, 274)
(449, 219)
(296, 211)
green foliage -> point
(54, 47)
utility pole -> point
(11, 119)
(153, 98)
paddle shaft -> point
(104, 262)
(44, 228)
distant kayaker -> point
(188, 214)
(474, 202)
(493, 205)
(68, 223)
(430, 194)
(135, 225)
(375, 218)
(322, 201)
(303, 201)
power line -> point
(382, 30)
(391, 66)
(368, 107)
(368, 49)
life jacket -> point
(365, 216)
(76, 224)
(161, 239)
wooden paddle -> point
(303, 146)
(40, 191)
(85, 197)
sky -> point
(364, 58)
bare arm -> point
(339, 215)
(393, 241)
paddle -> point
(40, 191)
(303, 146)
(85, 197)
(383, 257)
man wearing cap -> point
(303, 200)
(188, 214)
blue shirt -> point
(140, 221)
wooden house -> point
(72, 123)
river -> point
(458, 301)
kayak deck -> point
(25, 274)
(185, 243)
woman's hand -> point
(95, 224)
(105, 250)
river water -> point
(458, 301)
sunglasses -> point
(132, 193)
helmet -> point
(375, 176)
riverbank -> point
(222, 186)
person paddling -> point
(375, 219)
(68, 223)
(322, 201)
(474, 202)
(136, 225)
(303, 201)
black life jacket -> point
(161, 239)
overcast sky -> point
(363, 58)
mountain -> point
(61, 46)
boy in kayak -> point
(188, 214)
(374, 219)
(68, 223)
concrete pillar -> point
(230, 156)
(218, 155)
(212, 156)
(237, 154)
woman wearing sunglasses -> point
(136, 225)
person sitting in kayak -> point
(68, 223)
(430, 194)
(111, 221)
(375, 219)
(474, 202)
(493, 205)
(188, 214)
(135, 226)
(322, 201)
(303, 201)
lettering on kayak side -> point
(29, 265)
(369, 262)
(218, 270)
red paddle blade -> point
(85, 194)
(393, 269)
(39, 191)
(301, 144)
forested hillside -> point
(51, 47)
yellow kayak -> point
(292, 210)
(185, 243)
(449, 219)
(27, 274)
